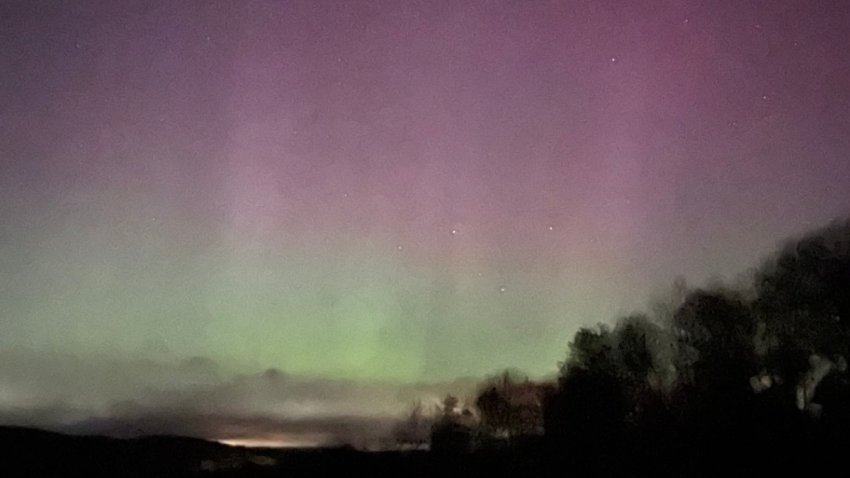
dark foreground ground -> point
(36, 453)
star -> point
(551, 228)
(613, 59)
(399, 247)
(454, 232)
(503, 289)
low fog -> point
(118, 396)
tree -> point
(413, 431)
(715, 332)
(803, 305)
(450, 404)
(495, 410)
(586, 415)
(590, 350)
(510, 406)
(641, 348)
(453, 431)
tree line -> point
(753, 374)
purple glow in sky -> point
(401, 191)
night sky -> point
(363, 196)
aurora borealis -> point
(391, 192)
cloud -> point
(120, 396)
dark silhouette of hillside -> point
(30, 452)
(36, 453)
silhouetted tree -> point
(453, 431)
(414, 430)
(586, 416)
(511, 407)
(720, 379)
(590, 350)
(804, 305)
(715, 332)
(495, 410)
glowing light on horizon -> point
(276, 441)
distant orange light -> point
(270, 442)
